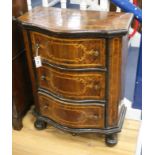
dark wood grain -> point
(75, 82)
(30, 64)
(71, 115)
(124, 58)
(19, 7)
(21, 84)
(74, 53)
(77, 21)
(73, 85)
(114, 81)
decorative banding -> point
(74, 69)
(106, 131)
(83, 102)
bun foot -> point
(74, 134)
(111, 140)
(40, 125)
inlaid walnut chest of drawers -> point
(79, 83)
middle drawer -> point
(72, 85)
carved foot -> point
(40, 125)
(111, 140)
(74, 134)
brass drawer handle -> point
(43, 77)
(95, 53)
(94, 116)
(45, 107)
(97, 87)
(37, 46)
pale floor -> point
(52, 141)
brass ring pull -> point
(93, 116)
(96, 87)
(45, 106)
(37, 46)
(43, 77)
(95, 53)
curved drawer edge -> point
(72, 115)
(74, 34)
(87, 102)
(106, 131)
(73, 69)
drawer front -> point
(71, 115)
(75, 85)
(70, 52)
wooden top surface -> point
(77, 21)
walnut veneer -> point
(21, 84)
(79, 85)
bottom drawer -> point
(70, 114)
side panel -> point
(30, 64)
(114, 54)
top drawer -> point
(73, 53)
